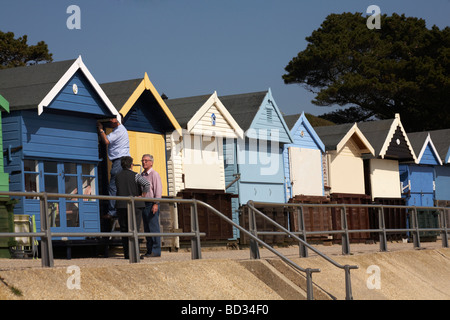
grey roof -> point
(376, 132)
(242, 107)
(332, 135)
(417, 139)
(120, 91)
(291, 120)
(26, 87)
(441, 141)
(183, 109)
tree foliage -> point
(404, 67)
(17, 53)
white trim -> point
(77, 65)
(214, 100)
(355, 130)
(392, 129)
(424, 147)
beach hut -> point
(441, 141)
(303, 159)
(254, 167)
(345, 147)
(4, 177)
(303, 166)
(382, 177)
(147, 119)
(195, 161)
(51, 140)
(418, 179)
(392, 146)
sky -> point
(195, 47)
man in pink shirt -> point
(151, 210)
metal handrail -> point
(346, 268)
(46, 234)
(382, 230)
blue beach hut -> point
(303, 159)
(254, 164)
(441, 140)
(51, 140)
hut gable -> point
(388, 139)
(441, 141)
(269, 118)
(65, 85)
(213, 119)
(424, 148)
(141, 105)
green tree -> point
(404, 67)
(17, 53)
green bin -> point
(6, 225)
(428, 219)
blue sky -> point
(195, 47)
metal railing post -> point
(303, 250)
(309, 285)
(133, 241)
(254, 249)
(46, 241)
(382, 226)
(195, 240)
(416, 233)
(345, 236)
(348, 283)
(444, 230)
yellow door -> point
(154, 144)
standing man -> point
(118, 146)
(129, 183)
(151, 210)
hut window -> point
(31, 174)
(88, 180)
(269, 115)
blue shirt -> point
(119, 145)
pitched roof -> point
(376, 132)
(335, 137)
(381, 133)
(184, 108)
(419, 142)
(37, 85)
(26, 87)
(124, 95)
(332, 135)
(441, 140)
(244, 106)
(291, 120)
(120, 91)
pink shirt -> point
(155, 183)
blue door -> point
(66, 214)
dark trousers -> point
(112, 188)
(122, 215)
(151, 224)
